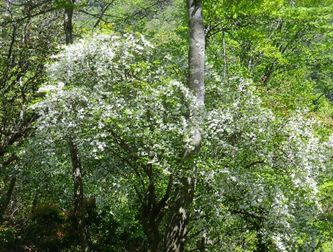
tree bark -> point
(8, 7)
(79, 211)
(5, 199)
(68, 23)
(177, 228)
(196, 49)
(176, 232)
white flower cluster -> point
(106, 59)
(106, 93)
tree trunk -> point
(68, 22)
(150, 213)
(224, 53)
(8, 7)
(176, 232)
(153, 211)
(5, 199)
(79, 211)
(196, 49)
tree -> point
(125, 93)
(26, 43)
(176, 233)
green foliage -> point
(63, 4)
(45, 227)
(115, 234)
(28, 36)
(264, 171)
(8, 236)
(325, 222)
(279, 44)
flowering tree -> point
(135, 116)
(263, 173)
(256, 175)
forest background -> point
(166, 125)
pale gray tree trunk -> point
(176, 233)
(196, 49)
